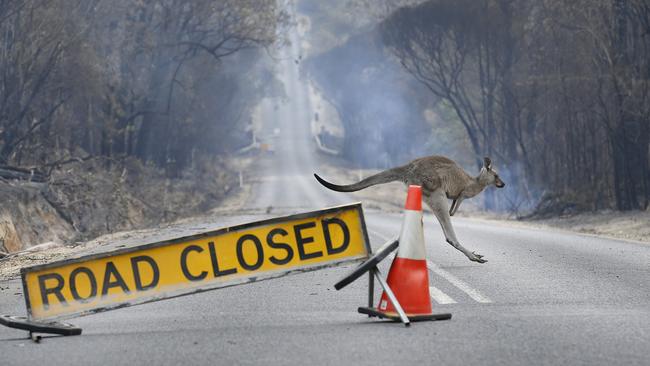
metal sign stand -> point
(370, 266)
(21, 322)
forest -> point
(117, 115)
(153, 80)
(127, 110)
(557, 91)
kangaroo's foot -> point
(475, 257)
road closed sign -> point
(206, 261)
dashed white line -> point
(440, 297)
(462, 285)
(380, 235)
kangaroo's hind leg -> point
(437, 200)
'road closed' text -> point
(201, 262)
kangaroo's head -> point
(489, 175)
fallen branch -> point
(15, 173)
(59, 163)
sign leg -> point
(371, 289)
(21, 322)
(391, 297)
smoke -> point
(519, 196)
(379, 106)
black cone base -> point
(374, 312)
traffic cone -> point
(408, 277)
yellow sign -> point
(235, 255)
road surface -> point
(544, 297)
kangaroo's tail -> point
(386, 176)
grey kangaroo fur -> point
(441, 179)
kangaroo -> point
(441, 179)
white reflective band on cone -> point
(411, 237)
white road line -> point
(462, 285)
(440, 297)
(380, 235)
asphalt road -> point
(544, 297)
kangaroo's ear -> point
(487, 162)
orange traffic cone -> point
(408, 276)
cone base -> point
(374, 312)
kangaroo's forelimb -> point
(454, 206)
(437, 200)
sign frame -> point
(208, 286)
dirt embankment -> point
(87, 199)
(27, 218)
(632, 225)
